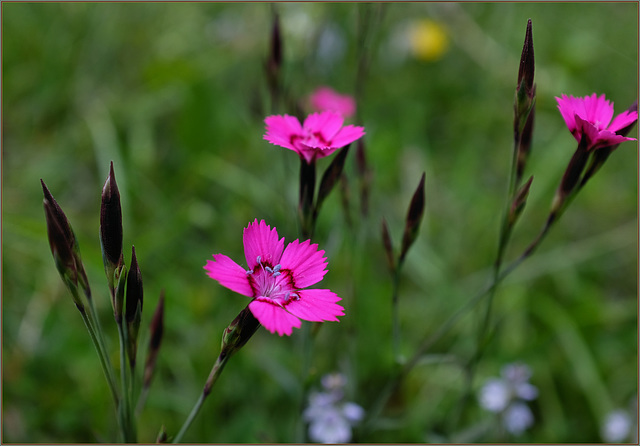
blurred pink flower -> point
(276, 278)
(319, 136)
(327, 99)
(591, 116)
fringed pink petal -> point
(598, 111)
(306, 263)
(229, 274)
(262, 241)
(273, 317)
(326, 124)
(347, 135)
(316, 305)
(607, 138)
(567, 107)
(623, 120)
(281, 130)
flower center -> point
(309, 139)
(269, 282)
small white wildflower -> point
(352, 412)
(330, 419)
(617, 427)
(494, 395)
(330, 427)
(507, 395)
(517, 418)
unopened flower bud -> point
(274, 60)
(388, 246)
(414, 218)
(236, 335)
(64, 247)
(157, 329)
(133, 306)
(572, 174)
(331, 176)
(307, 191)
(525, 89)
(524, 146)
(527, 63)
(111, 227)
(519, 202)
(120, 280)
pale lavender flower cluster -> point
(508, 395)
(330, 418)
(620, 425)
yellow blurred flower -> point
(428, 40)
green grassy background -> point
(175, 95)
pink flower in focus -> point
(325, 98)
(591, 116)
(276, 278)
(319, 136)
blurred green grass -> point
(175, 95)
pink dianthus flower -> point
(276, 279)
(325, 98)
(319, 136)
(591, 116)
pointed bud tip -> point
(45, 189)
(527, 62)
(135, 291)
(111, 221)
(48, 198)
(157, 324)
(388, 245)
(414, 218)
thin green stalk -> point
(190, 418)
(129, 431)
(429, 341)
(503, 241)
(101, 345)
(505, 235)
(395, 318)
(213, 377)
(142, 399)
(104, 361)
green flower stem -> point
(104, 359)
(505, 235)
(190, 419)
(506, 228)
(126, 414)
(101, 345)
(142, 399)
(395, 318)
(401, 373)
(213, 377)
